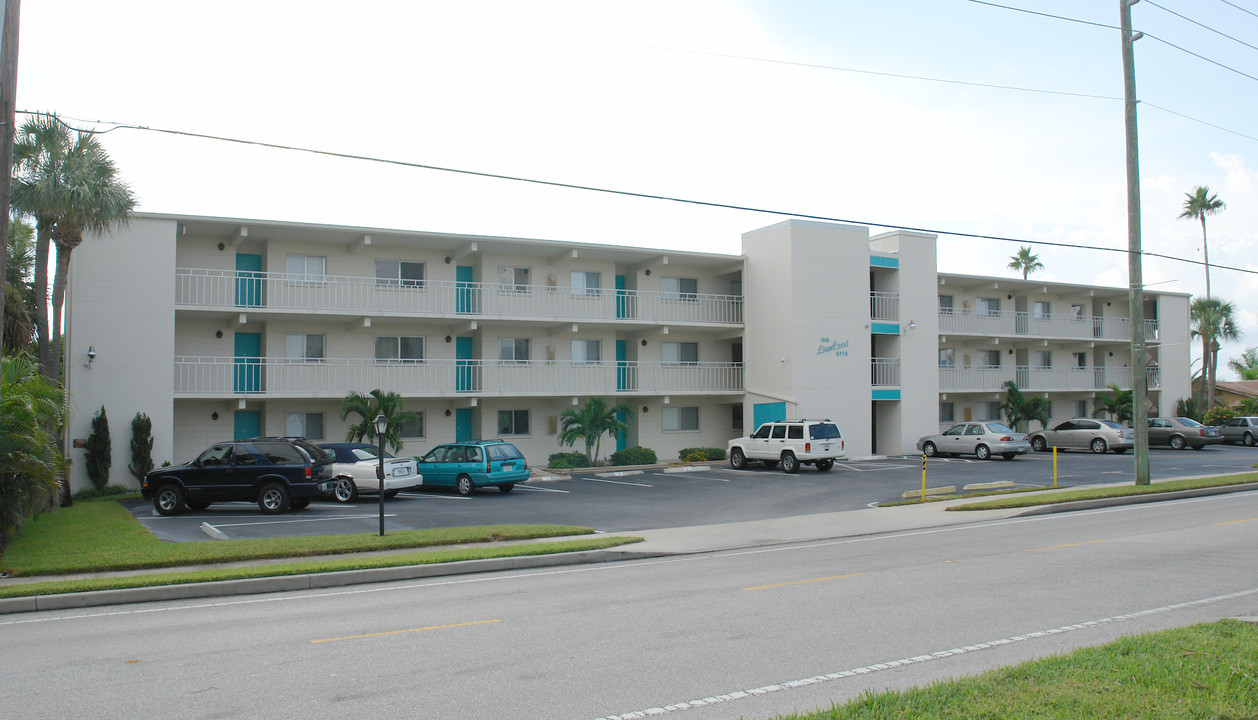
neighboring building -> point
(221, 328)
(1233, 393)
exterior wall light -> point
(91, 355)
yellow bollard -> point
(1054, 466)
(923, 477)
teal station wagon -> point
(469, 465)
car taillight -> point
(487, 464)
(1202, 431)
(808, 447)
(1006, 439)
(309, 471)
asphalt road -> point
(749, 634)
(656, 499)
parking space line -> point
(309, 520)
(618, 482)
(541, 489)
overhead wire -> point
(1201, 25)
(635, 194)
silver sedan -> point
(981, 439)
(1085, 434)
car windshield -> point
(368, 453)
(1112, 424)
(1189, 422)
(824, 431)
(999, 428)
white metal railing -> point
(992, 379)
(281, 291)
(884, 306)
(885, 371)
(1059, 325)
(335, 377)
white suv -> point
(792, 443)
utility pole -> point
(8, 89)
(1139, 361)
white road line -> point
(618, 482)
(939, 655)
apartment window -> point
(1079, 361)
(947, 412)
(947, 357)
(513, 422)
(399, 272)
(585, 283)
(736, 288)
(1048, 408)
(989, 358)
(989, 410)
(1076, 312)
(1042, 309)
(307, 425)
(988, 306)
(1081, 408)
(412, 427)
(513, 279)
(679, 353)
(681, 418)
(400, 349)
(303, 347)
(586, 351)
(306, 268)
(736, 417)
(945, 304)
(513, 349)
(675, 288)
(1043, 359)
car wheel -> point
(168, 500)
(199, 505)
(299, 504)
(1098, 446)
(982, 452)
(1177, 442)
(506, 488)
(1039, 444)
(1009, 456)
(825, 465)
(390, 494)
(929, 449)
(1248, 440)
(737, 460)
(464, 485)
(273, 499)
(346, 490)
(790, 463)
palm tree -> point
(1021, 410)
(31, 466)
(1247, 407)
(1199, 204)
(594, 420)
(367, 407)
(19, 300)
(67, 182)
(1247, 367)
(1025, 261)
(1212, 320)
(1116, 404)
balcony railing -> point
(884, 306)
(243, 290)
(992, 379)
(1068, 325)
(282, 377)
(885, 371)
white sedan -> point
(354, 466)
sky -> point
(951, 116)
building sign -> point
(826, 346)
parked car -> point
(474, 464)
(278, 473)
(1181, 432)
(981, 439)
(792, 443)
(1084, 434)
(354, 466)
(1241, 430)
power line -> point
(633, 194)
(1201, 25)
(1238, 7)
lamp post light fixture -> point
(381, 424)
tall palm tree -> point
(1212, 320)
(1025, 262)
(367, 407)
(31, 466)
(1199, 204)
(1020, 410)
(67, 182)
(590, 423)
(19, 301)
(1246, 368)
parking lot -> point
(658, 499)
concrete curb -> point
(1135, 499)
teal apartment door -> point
(464, 291)
(463, 424)
(762, 413)
(622, 439)
(622, 367)
(247, 424)
(247, 365)
(464, 368)
(622, 298)
(248, 280)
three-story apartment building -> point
(222, 328)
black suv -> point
(278, 473)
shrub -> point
(563, 460)
(141, 446)
(105, 492)
(1218, 415)
(633, 456)
(1187, 408)
(702, 454)
(99, 450)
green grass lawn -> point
(1073, 494)
(1205, 672)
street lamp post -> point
(382, 424)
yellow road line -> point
(801, 582)
(1230, 522)
(411, 630)
(1055, 547)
